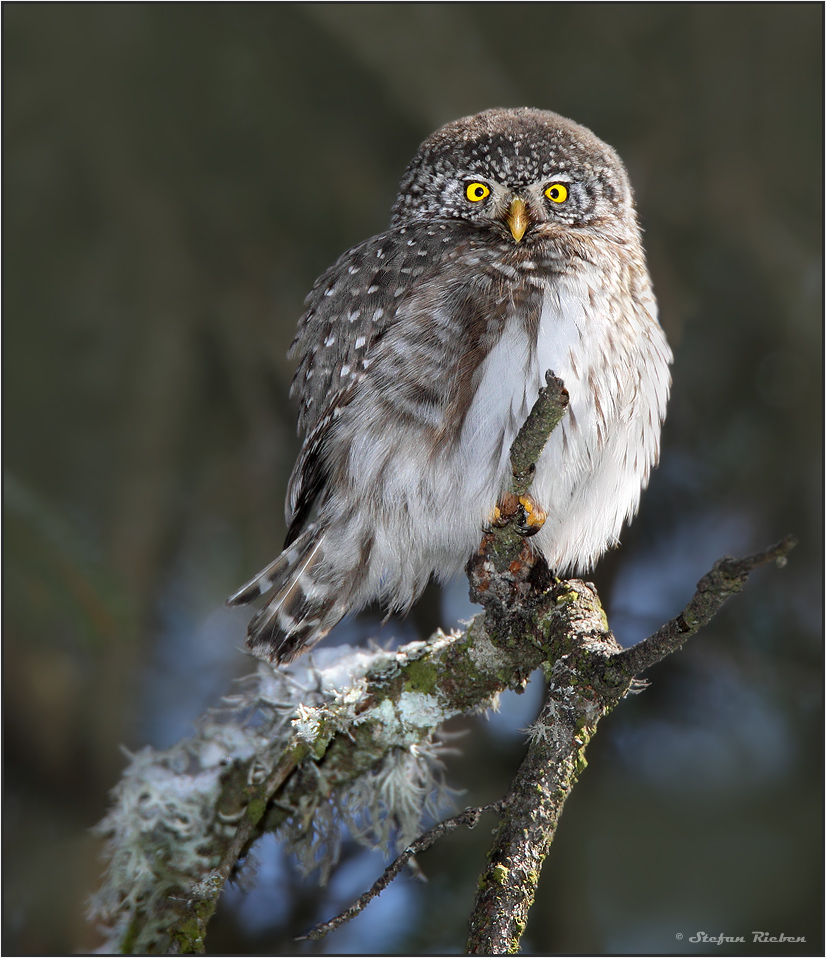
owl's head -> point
(523, 173)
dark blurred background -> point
(175, 177)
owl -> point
(513, 248)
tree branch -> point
(288, 740)
(351, 737)
(469, 817)
(544, 417)
(589, 675)
(727, 577)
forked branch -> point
(588, 674)
(298, 745)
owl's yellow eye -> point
(558, 192)
(476, 192)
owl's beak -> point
(517, 218)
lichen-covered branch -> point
(556, 756)
(351, 737)
(301, 750)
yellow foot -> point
(523, 511)
(530, 516)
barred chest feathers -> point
(430, 502)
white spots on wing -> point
(286, 622)
(353, 269)
(372, 289)
(360, 341)
(330, 340)
(398, 291)
(505, 269)
(377, 315)
(353, 315)
(345, 371)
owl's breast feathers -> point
(431, 342)
(406, 317)
(441, 278)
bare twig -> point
(469, 817)
(727, 577)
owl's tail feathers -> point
(301, 609)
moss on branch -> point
(351, 737)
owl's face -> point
(523, 174)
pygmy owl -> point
(513, 249)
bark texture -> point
(355, 740)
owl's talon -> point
(530, 516)
(500, 516)
(524, 512)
